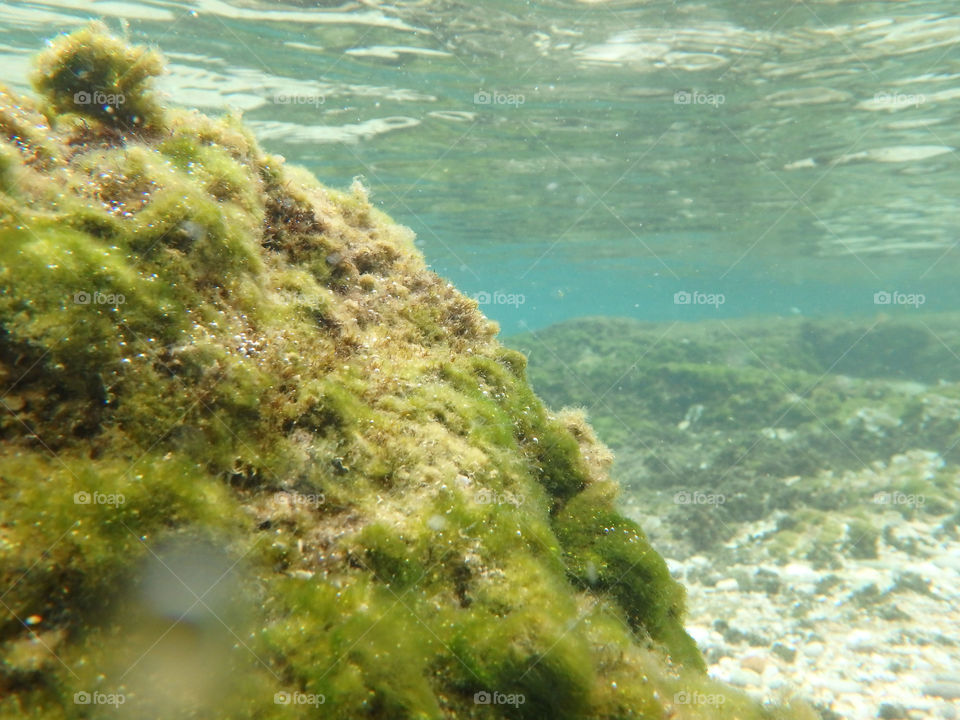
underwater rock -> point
(838, 554)
(257, 458)
(946, 690)
(786, 420)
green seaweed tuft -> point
(95, 75)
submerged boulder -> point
(257, 458)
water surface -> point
(572, 158)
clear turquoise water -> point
(793, 158)
(563, 158)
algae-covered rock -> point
(726, 423)
(257, 458)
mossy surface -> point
(729, 422)
(91, 74)
(256, 457)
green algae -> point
(203, 348)
(775, 416)
(93, 74)
(610, 553)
